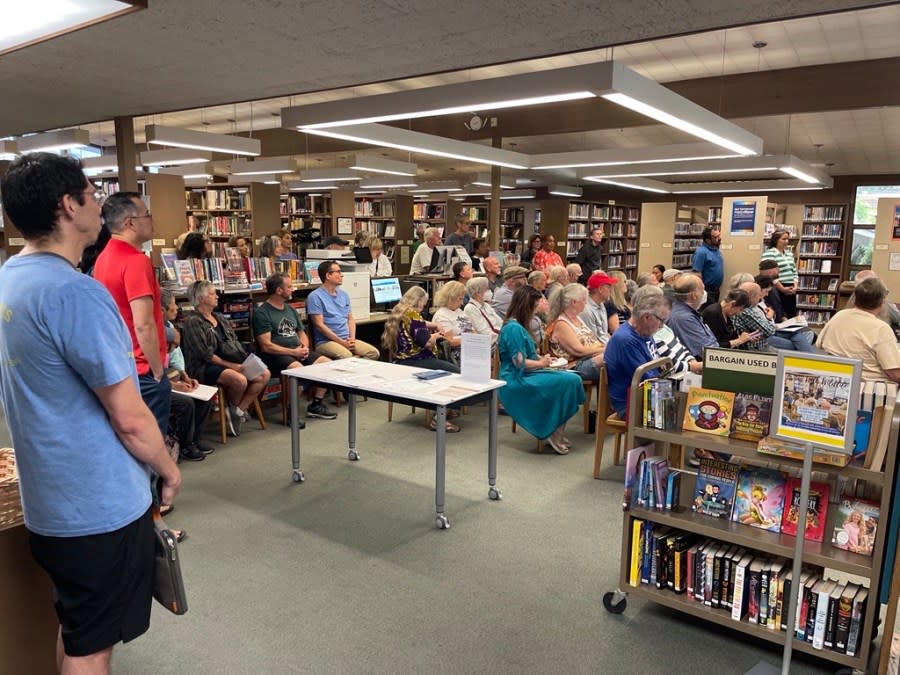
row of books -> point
(512, 215)
(820, 248)
(426, 211)
(823, 213)
(306, 204)
(223, 199)
(822, 230)
(375, 208)
(750, 586)
(682, 260)
(813, 283)
(224, 226)
(685, 228)
(824, 300)
(814, 266)
(688, 245)
(475, 212)
(622, 230)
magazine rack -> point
(772, 544)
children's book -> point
(632, 465)
(311, 267)
(715, 485)
(856, 525)
(168, 260)
(185, 272)
(816, 509)
(759, 498)
(750, 420)
(708, 411)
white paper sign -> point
(475, 361)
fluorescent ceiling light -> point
(796, 167)
(439, 186)
(9, 150)
(247, 167)
(53, 141)
(190, 171)
(485, 179)
(516, 194)
(27, 23)
(368, 192)
(426, 144)
(375, 164)
(267, 178)
(761, 186)
(101, 163)
(299, 186)
(174, 157)
(687, 167)
(565, 190)
(636, 184)
(200, 140)
(328, 175)
(616, 156)
(387, 183)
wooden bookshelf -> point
(430, 213)
(226, 211)
(820, 255)
(390, 218)
(512, 229)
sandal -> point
(557, 446)
(450, 428)
(166, 509)
(180, 535)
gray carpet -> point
(345, 573)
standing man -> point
(283, 343)
(425, 258)
(462, 236)
(84, 439)
(128, 276)
(334, 329)
(590, 255)
(707, 262)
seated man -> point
(685, 320)
(858, 332)
(594, 314)
(513, 279)
(889, 313)
(632, 345)
(755, 321)
(667, 344)
(283, 343)
(425, 258)
(334, 329)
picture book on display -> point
(750, 420)
(708, 411)
(716, 481)
(759, 498)
(311, 267)
(856, 525)
(816, 509)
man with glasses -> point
(632, 345)
(328, 308)
(128, 276)
(686, 321)
(84, 440)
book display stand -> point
(681, 520)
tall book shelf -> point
(512, 229)
(430, 213)
(390, 218)
(301, 210)
(223, 212)
(820, 254)
(689, 226)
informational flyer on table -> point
(815, 395)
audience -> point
(769, 268)
(801, 338)
(685, 320)
(570, 337)
(484, 320)
(287, 246)
(719, 317)
(513, 280)
(482, 251)
(658, 272)
(462, 236)
(534, 245)
(547, 256)
(786, 282)
(557, 277)
(461, 272)
(590, 255)
(617, 306)
(328, 308)
(708, 264)
(754, 320)
(450, 318)
(195, 245)
(858, 332)
(539, 399)
(594, 315)
(381, 264)
(242, 244)
(890, 313)
(538, 281)
(666, 342)
(424, 259)
(669, 278)
(573, 271)
(491, 268)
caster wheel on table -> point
(297, 476)
(613, 604)
(442, 523)
(494, 494)
(353, 456)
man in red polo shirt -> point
(128, 275)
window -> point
(867, 197)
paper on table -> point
(203, 392)
(476, 357)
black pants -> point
(788, 304)
(712, 297)
(188, 417)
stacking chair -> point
(223, 424)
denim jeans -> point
(158, 397)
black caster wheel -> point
(613, 607)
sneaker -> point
(319, 410)
(205, 449)
(193, 454)
(235, 419)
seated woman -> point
(539, 399)
(570, 337)
(484, 320)
(718, 316)
(214, 355)
(381, 264)
(450, 318)
(410, 340)
(618, 307)
(243, 244)
(534, 245)
(195, 245)
(557, 277)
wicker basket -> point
(10, 504)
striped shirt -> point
(787, 269)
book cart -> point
(678, 443)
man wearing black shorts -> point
(283, 343)
(84, 479)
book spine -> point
(764, 596)
(708, 577)
(804, 613)
(771, 618)
(830, 619)
(818, 641)
(811, 615)
(637, 528)
(737, 601)
(753, 596)
(784, 603)
(842, 625)
(716, 578)
(856, 619)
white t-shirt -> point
(856, 334)
(381, 266)
(421, 261)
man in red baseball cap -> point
(594, 314)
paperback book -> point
(816, 509)
(759, 498)
(752, 413)
(716, 481)
(856, 525)
(708, 411)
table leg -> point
(493, 490)
(295, 431)
(352, 454)
(440, 457)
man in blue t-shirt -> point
(84, 439)
(708, 263)
(328, 308)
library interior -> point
(643, 252)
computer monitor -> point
(447, 256)
(385, 291)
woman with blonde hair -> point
(617, 306)
(381, 264)
(557, 277)
(450, 317)
(570, 337)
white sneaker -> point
(235, 419)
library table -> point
(397, 383)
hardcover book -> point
(856, 525)
(708, 411)
(759, 498)
(752, 413)
(715, 485)
(816, 509)
(311, 268)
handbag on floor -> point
(168, 584)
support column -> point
(494, 210)
(126, 155)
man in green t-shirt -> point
(282, 341)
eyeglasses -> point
(659, 318)
(337, 271)
(146, 215)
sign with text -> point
(743, 218)
(475, 359)
(739, 371)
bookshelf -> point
(391, 218)
(820, 253)
(300, 210)
(226, 211)
(430, 213)
(512, 229)
(689, 225)
(478, 213)
(757, 542)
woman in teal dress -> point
(539, 399)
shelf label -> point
(753, 247)
(665, 244)
(881, 247)
(727, 247)
(159, 242)
(16, 241)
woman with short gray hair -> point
(485, 321)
